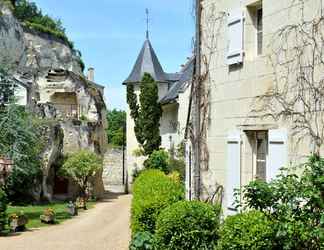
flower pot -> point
(48, 219)
(18, 224)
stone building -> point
(173, 91)
(236, 45)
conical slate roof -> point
(147, 62)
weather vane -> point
(147, 23)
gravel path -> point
(105, 227)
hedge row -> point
(152, 192)
(188, 225)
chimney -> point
(91, 74)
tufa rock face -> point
(60, 92)
(45, 52)
(12, 42)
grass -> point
(33, 212)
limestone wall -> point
(232, 89)
(113, 170)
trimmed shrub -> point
(188, 225)
(3, 209)
(178, 165)
(142, 241)
(152, 192)
(250, 230)
(159, 159)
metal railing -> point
(67, 110)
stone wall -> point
(113, 170)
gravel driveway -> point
(105, 227)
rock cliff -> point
(58, 91)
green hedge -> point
(246, 231)
(188, 225)
(152, 192)
(3, 209)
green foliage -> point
(7, 87)
(21, 140)
(142, 241)
(28, 13)
(295, 203)
(187, 225)
(178, 165)
(3, 209)
(246, 231)
(116, 122)
(159, 159)
(152, 192)
(80, 167)
(147, 115)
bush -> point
(159, 159)
(179, 166)
(187, 225)
(28, 13)
(245, 231)
(3, 209)
(294, 203)
(142, 241)
(152, 192)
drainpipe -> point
(196, 108)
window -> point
(261, 155)
(259, 28)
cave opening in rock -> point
(66, 104)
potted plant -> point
(48, 216)
(18, 221)
(72, 209)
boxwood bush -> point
(188, 225)
(142, 241)
(3, 208)
(152, 192)
(246, 231)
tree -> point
(7, 87)
(80, 167)
(116, 123)
(22, 141)
(147, 115)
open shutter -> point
(277, 152)
(235, 37)
(233, 167)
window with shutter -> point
(233, 168)
(278, 152)
(235, 37)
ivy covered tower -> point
(146, 62)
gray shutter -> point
(277, 152)
(233, 173)
(235, 37)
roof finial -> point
(147, 23)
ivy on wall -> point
(146, 114)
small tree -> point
(7, 87)
(147, 115)
(80, 167)
(22, 141)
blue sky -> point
(110, 34)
